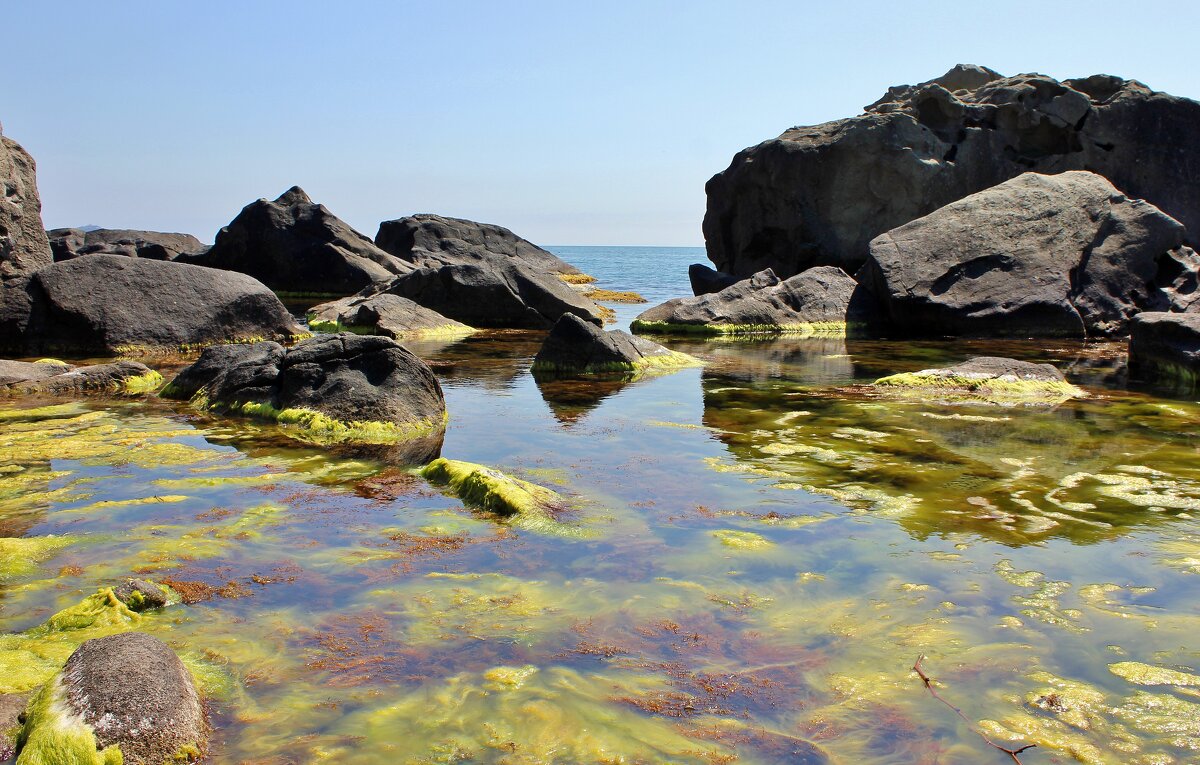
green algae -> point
(443, 331)
(742, 541)
(53, 735)
(20, 556)
(314, 427)
(1005, 391)
(1146, 674)
(143, 384)
(800, 329)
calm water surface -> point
(756, 554)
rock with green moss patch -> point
(332, 389)
(122, 378)
(141, 595)
(124, 699)
(984, 379)
(823, 300)
(577, 347)
(388, 315)
(530, 506)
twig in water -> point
(1012, 753)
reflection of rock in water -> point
(492, 359)
(1086, 471)
(570, 400)
(819, 359)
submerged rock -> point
(331, 389)
(1044, 255)
(121, 377)
(575, 346)
(818, 195)
(1165, 348)
(388, 315)
(68, 243)
(294, 245)
(433, 241)
(117, 305)
(985, 379)
(120, 699)
(818, 300)
(522, 503)
(492, 293)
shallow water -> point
(756, 554)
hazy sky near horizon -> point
(569, 123)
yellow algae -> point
(1046, 733)
(109, 503)
(1164, 715)
(1146, 674)
(53, 735)
(20, 556)
(507, 678)
(742, 540)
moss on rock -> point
(54, 735)
(314, 427)
(803, 329)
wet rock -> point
(1165, 348)
(68, 243)
(296, 246)
(121, 377)
(819, 300)
(1039, 255)
(388, 315)
(12, 372)
(141, 595)
(331, 389)
(986, 380)
(575, 346)
(492, 293)
(434, 240)
(818, 195)
(151, 716)
(113, 304)
(707, 280)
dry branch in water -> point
(1012, 753)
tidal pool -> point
(754, 555)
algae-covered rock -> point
(528, 504)
(120, 700)
(575, 346)
(121, 377)
(331, 389)
(388, 315)
(985, 379)
(141, 595)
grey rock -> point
(296, 246)
(767, 304)
(67, 243)
(98, 378)
(27, 371)
(575, 346)
(1164, 348)
(113, 304)
(12, 710)
(818, 195)
(141, 595)
(388, 315)
(707, 280)
(1039, 255)
(435, 240)
(23, 244)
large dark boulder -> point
(493, 293)
(823, 299)
(112, 304)
(818, 195)
(293, 245)
(1049, 255)
(67, 243)
(434, 240)
(126, 692)
(345, 389)
(1164, 348)
(23, 244)
(706, 281)
(388, 315)
(575, 346)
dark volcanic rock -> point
(67, 243)
(1165, 348)
(293, 245)
(492, 293)
(1049, 255)
(433, 240)
(575, 346)
(706, 281)
(114, 304)
(820, 299)
(388, 315)
(23, 245)
(119, 377)
(818, 195)
(334, 389)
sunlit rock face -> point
(818, 195)
(23, 244)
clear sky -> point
(568, 122)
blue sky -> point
(570, 123)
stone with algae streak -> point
(985, 379)
(576, 347)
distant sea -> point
(656, 273)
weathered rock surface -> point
(30, 371)
(434, 240)
(1049, 255)
(707, 280)
(986, 380)
(575, 346)
(121, 377)
(822, 299)
(1165, 348)
(126, 692)
(818, 195)
(388, 315)
(140, 594)
(330, 389)
(23, 244)
(113, 304)
(296, 246)
(67, 243)
(492, 293)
